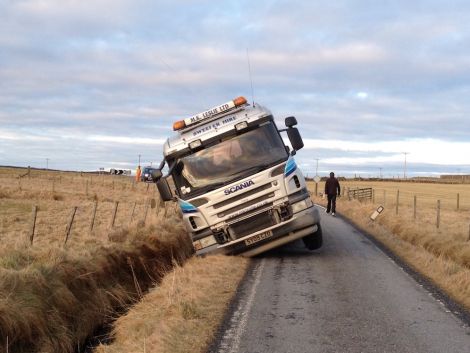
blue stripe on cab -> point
(290, 167)
(186, 207)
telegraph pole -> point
(404, 169)
(316, 171)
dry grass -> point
(51, 301)
(55, 193)
(52, 297)
(442, 255)
(427, 193)
(182, 314)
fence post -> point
(373, 196)
(132, 213)
(93, 215)
(146, 210)
(398, 201)
(458, 201)
(69, 225)
(414, 207)
(316, 189)
(86, 188)
(53, 185)
(438, 219)
(33, 224)
(113, 219)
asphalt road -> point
(346, 297)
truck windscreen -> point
(229, 160)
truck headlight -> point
(301, 205)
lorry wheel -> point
(315, 240)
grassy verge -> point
(182, 313)
(53, 295)
(53, 300)
(441, 256)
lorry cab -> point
(237, 184)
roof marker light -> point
(195, 144)
(241, 126)
(239, 101)
(178, 125)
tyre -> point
(315, 240)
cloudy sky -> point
(91, 84)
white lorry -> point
(237, 185)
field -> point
(120, 259)
(96, 246)
(435, 241)
(56, 194)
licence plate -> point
(259, 237)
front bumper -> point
(301, 224)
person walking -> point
(332, 189)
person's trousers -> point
(331, 203)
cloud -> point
(112, 76)
(430, 151)
(362, 95)
(127, 140)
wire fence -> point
(445, 207)
(56, 207)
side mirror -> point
(156, 175)
(295, 138)
(291, 121)
(164, 189)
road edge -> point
(242, 292)
(438, 293)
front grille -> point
(241, 196)
(247, 204)
(253, 224)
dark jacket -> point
(331, 185)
